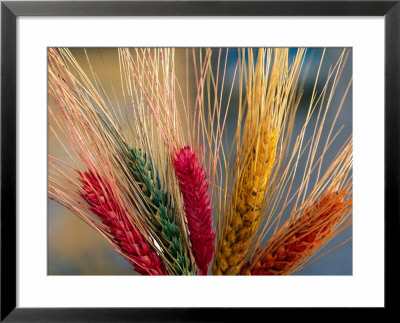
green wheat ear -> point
(165, 220)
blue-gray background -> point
(76, 249)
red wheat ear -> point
(126, 237)
(193, 183)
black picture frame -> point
(10, 10)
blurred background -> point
(74, 248)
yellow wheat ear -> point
(271, 98)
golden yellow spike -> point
(271, 98)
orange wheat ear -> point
(297, 241)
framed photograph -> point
(253, 142)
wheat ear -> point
(194, 186)
(165, 220)
(289, 247)
(271, 89)
(247, 208)
(125, 236)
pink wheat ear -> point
(193, 183)
(126, 237)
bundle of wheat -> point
(145, 161)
